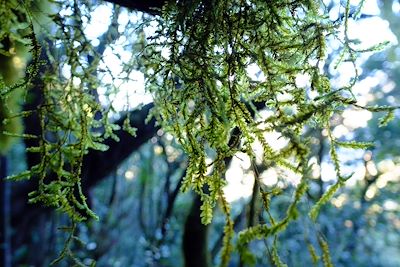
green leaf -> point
(326, 256)
(99, 146)
(275, 257)
(313, 254)
(324, 199)
(128, 128)
(20, 176)
(354, 144)
(206, 212)
(387, 118)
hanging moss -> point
(197, 67)
(211, 46)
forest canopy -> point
(223, 76)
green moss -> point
(203, 93)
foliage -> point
(197, 67)
(205, 95)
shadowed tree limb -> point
(97, 164)
(147, 6)
(195, 238)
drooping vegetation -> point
(198, 67)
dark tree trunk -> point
(195, 238)
(5, 192)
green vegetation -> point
(198, 59)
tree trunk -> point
(195, 238)
(5, 232)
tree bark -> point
(5, 233)
(195, 238)
(147, 6)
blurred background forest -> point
(146, 221)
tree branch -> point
(147, 6)
(98, 164)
